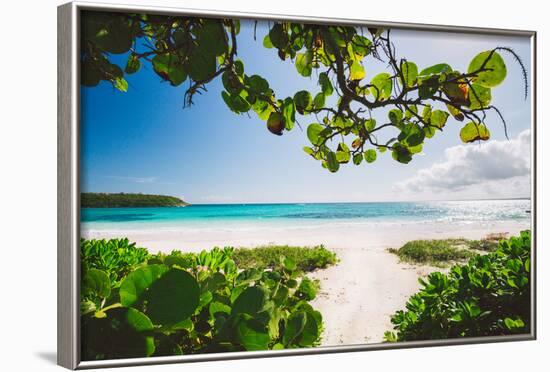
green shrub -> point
(307, 259)
(115, 257)
(197, 303)
(488, 296)
(434, 252)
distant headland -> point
(124, 200)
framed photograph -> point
(236, 185)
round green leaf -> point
(381, 86)
(439, 118)
(332, 162)
(479, 96)
(473, 132)
(123, 333)
(251, 301)
(495, 66)
(436, 69)
(252, 335)
(302, 100)
(356, 71)
(171, 295)
(326, 85)
(304, 63)
(313, 133)
(96, 282)
(370, 156)
(410, 73)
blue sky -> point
(145, 141)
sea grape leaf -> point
(171, 295)
(357, 72)
(370, 156)
(251, 301)
(436, 69)
(252, 335)
(495, 66)
(123, 333)
(304, 63)
(313, 133)
(480, 97)
(381, 86)
(410, 73)
(473, 132)
(96, 282)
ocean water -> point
(243, 216)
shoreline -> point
(359, 294)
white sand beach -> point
(360, 293)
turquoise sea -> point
(308, 214)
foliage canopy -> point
(341, 129)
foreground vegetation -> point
(442, 252)
(135, 304)
(488, 296)
(121, 200)
(307, 259)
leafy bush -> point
(197, 303)
(488, 296)
(434, 252)
(115, 257)
(307, 259)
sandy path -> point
(357, 307)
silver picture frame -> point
(68, 172)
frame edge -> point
(66, 334)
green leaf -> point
(132, 65)
(171, 294)
(278, 36)
(313, 133)
(251, 301)
(201, 65)
(356, 71)
(121, 84)
(495, 66)
(479, 96)
(401, 153)
(294, 327)
(169, 67)
(123, 333)
(428, 87)
(395, 116)
(319, 101)
(381, 86)
(289, 113)
(302, 100)
(267, 42)
(332, 162)
(276, 123)
(252, 335)
(370, 124)
(343, 154)
(326, 85)
(357, 159)
(410, 72)
(258, 84)
(96, 282)
(473, 132)
(436, 69)
(304, 63)
(235, 102)
(370, 156)
(218, 307)
(439, 118)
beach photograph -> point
(265, 185)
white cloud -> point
(494, 168)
